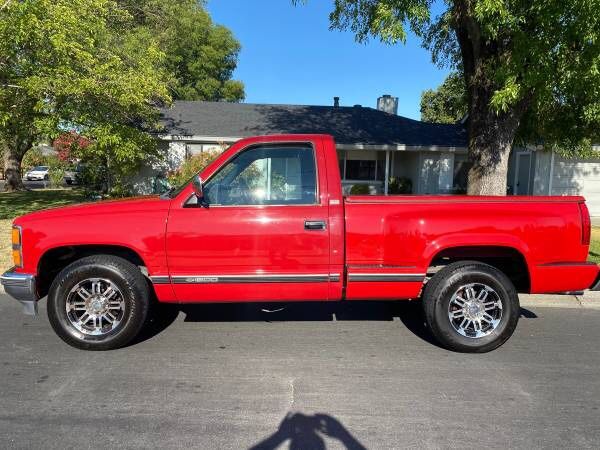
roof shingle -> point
(348, 125)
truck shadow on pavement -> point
(309, 432)
(408, 312)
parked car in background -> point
(73, 175)
(37, 173)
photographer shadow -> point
(309, 432)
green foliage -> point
(536, 60)
(200, 55)
(35, 157)
(400, 185)
(447, 103)
(100, 68)
(190, 167)
(360, 189)
(82, 65)
(56, 173)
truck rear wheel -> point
(98, 303)
(471, 307)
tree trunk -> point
(12, 170)
(491, 137)
(491, 133)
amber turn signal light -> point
(16, 236)
(17, 260)
(16, 247)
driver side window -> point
(266, 175)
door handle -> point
(315, 225)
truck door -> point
(264, 234)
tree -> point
(200, 55)
(447, 103)
(78, 65)
(530, 64)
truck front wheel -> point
(98, 303)
(471, 307)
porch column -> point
(446, 176)
(387, 172)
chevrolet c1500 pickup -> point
(267, 221)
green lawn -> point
(595, 245)
(13, 204)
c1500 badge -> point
(202, 280)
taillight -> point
(585, 224)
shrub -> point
(35, 157)
(400, 185)
(360, 189)
(190, 167)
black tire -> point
(134, 292)
(438, 294)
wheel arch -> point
(54, 259)
(508, 259)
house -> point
(374, 145)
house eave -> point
(355, 146)
(401, 147)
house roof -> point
(348, 125)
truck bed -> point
(409, 234)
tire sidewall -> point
(443, 292)
(134, 298)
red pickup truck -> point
(267, 221)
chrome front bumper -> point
(22, 287)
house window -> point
(365, 166)
(361, 169)
(461, 174)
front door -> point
(263, 236)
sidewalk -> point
(589, 300)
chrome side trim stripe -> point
(286, 278)
(160, 279)
(403, 277)
(238, 279)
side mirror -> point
(197, 187)
(198, 190)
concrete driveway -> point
(234, 377)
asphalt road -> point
(233, 377)
(29, 184)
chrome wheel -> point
(475, 310)
(95, 306)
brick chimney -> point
(388, 104)
(336, 102)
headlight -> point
(17, 247)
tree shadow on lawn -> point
(410, 313)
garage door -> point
(578, 177)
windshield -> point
(40, 168)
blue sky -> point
(289, 55)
